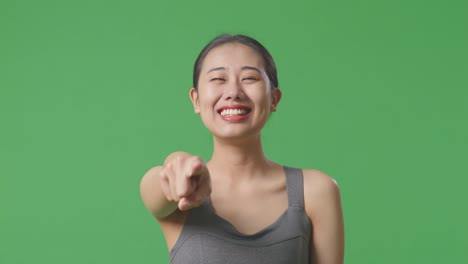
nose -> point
(234, 91)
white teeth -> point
(232, 112)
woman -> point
(240, 207)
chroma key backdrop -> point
(95, 93)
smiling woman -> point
(241, 207)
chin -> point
(236, 134)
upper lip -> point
(236, 106)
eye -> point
(217, 79)
(250, 79)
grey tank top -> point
(207, 238)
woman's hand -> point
(185, 179)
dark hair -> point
(270, 66)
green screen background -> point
(94, 93)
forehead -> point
(232, 55)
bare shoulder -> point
(319, 183)
(323, 207)
(321, 191)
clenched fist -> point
(185, 179)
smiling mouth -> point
(234, 112)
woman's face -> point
(234, 97)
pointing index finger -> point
(195, 168)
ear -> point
(193, 93)
(275, 98)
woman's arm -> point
(152, 195)
(182, 182)
(323, 206)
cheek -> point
(261, 97)
(207, 98)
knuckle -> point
(174, 199)
(163, 175)
(171, 197)
(180, 192)
(197, 159)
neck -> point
(238, 159)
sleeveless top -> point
(207, 238)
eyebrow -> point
(251, 68)
(243, 68)
(216, 69)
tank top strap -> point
(295, 186)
